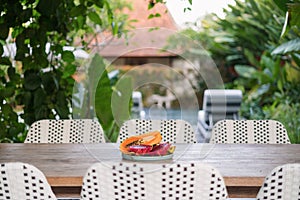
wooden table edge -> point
(244, 181)
(229, 181)
(65, 181)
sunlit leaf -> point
(288, 47)
(245, 71)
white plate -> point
(146, 158)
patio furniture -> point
(23, 181)
(165, 181)
(282, 183)
(218, 104)
(243, 166)
(172, 131)
(249, 131)
(65, 131)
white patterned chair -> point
(65, 131)
(172, 131)
(131, 181)
(23, 181)
(249, 131)
(283, 183)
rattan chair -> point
(65, 131)
(173, 131)
(131, 181)
(23, 181)
(249, 131)
(282, 183)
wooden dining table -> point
(243, 166)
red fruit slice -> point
(140, 149)
(159, 150)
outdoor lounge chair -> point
(65, 131)
(218, 104)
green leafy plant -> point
(36, 75)
(112, 102)
(98, 96)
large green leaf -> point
(288, 47)
(121, 100)
(95, 72)
(245, 71)
(103, 105)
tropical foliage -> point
(35, 67)
(257, 43)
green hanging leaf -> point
(103, 105)
(94, 17)
(68, 56)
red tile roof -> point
(149, 36)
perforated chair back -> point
(282, 183)
(65, 131)
(133, 181)
(23, 181)
(172, 131)
(249, 131)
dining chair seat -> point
(283, 182)
(23, 181)
(172, 131)
(249, 131)
(65, 131)
(131, 181)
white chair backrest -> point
(172, 131)
(133, 181)
(23, 181)
(249, 131)
(282, 183)
(65, 131)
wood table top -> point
(239, 164)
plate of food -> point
(146, 147)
